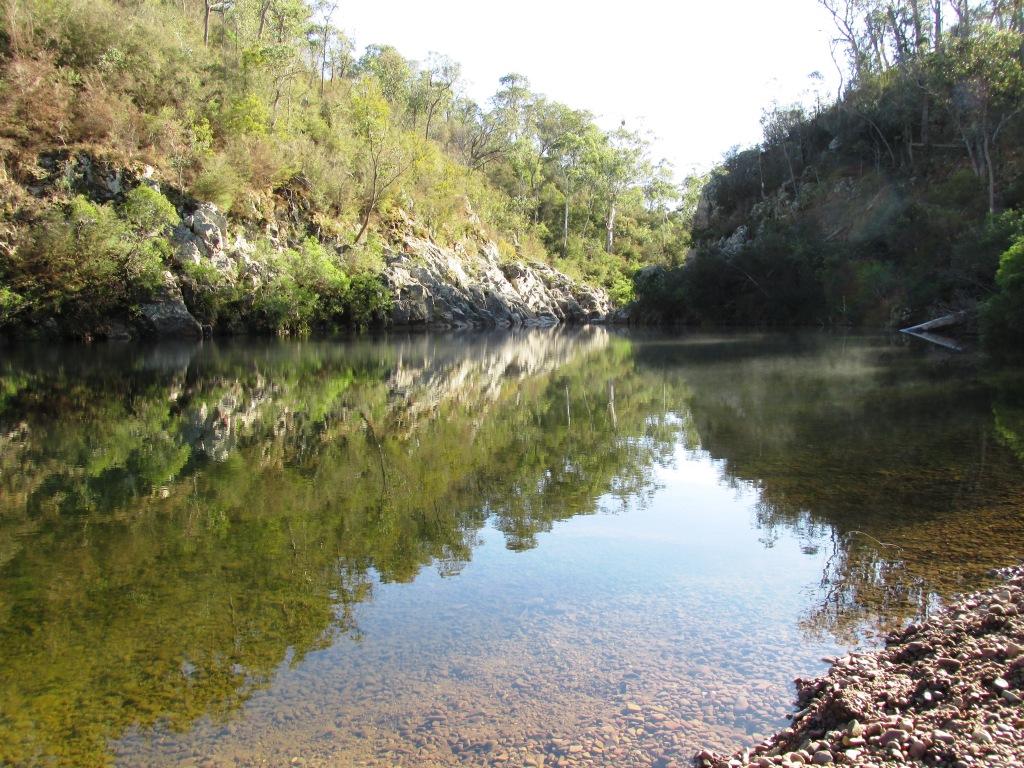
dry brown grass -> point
(35, 103)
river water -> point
(576, 547)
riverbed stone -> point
(938, 689)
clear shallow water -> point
(449, 550)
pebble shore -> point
(946, 692)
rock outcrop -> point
(466, 286)
(202, 238)
(166, 316)
(436, 287)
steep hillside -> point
(889, 206)
(138, 265)
(120, 119)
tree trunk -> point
(760, 172)
(975, 162)
(902, 49)
(565, 226)
(609, 242)
(430, 117)
(963, 13)
(323, 62)
(365, 225)
(206, 23)
(370, 207)
(273, 108)
(878, 45)
(264, 10)
(789, 164)
(991, 175)
(925, 119)
(937, 24)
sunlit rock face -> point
(437, 287)
(433, 286)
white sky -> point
(694, 73)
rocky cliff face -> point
(216, 258)
(432, 286)
(435, 287)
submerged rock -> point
(965, 718)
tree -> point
(441, 76)
(512, 106)
(392, 72)
(1003, 313)
(985, 80)
(619, 166)
(341, 61)
(846, 17)
(384, 155)
(474, 134)
(779, 124)
(210, 8)
(574, 138)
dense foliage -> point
(263, 108)
(81, 263)
(1004, 312)
(889, 205)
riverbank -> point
(130, 256)
(946, 692)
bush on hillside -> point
(86, 263)
(1003, 314)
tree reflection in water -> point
(178, 523)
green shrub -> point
(218, 183)
(308, 289)
(962, 190)
(660, 295)
(148, 212)
(206, 291)
(368, 300)
(243, 116)
(88, 262)
(315, 269)
(1003, 314)
(1009, 426)
(621, 291)
(282, 306)
(11, 305)
(367, 256)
